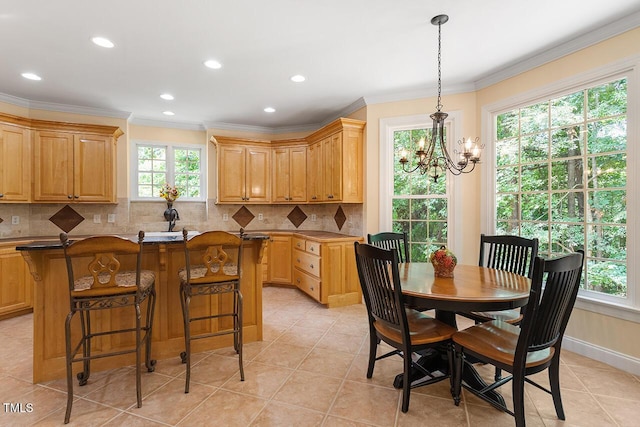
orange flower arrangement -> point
(444, 261)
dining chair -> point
(510, 253)
(406, 330)
(213, 263)
(389, 240)
(531, 347)
(106, 287)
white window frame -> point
(388, 126)
(629, 307)
(170, 147)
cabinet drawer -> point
(309, 285)
(299, 243)
(307, 262)
(313, 247)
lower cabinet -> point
(16, 283)
(279, 269)
(326, 270)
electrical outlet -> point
(15, 220)
(225, 217)
(260, 217)
(97, 219)
(313, 217)
(111, 218)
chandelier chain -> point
(439, 105)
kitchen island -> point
(163, 253)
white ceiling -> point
(353, 52)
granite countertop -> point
(151, 238)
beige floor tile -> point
(341, 342)
(309, 390)
(580, 408)
(367, 403)
(332, 421)
(83, 413)
(276, 414)
(121, 392)
(623, 411)
(282, 354)
(261, 380)
(438, 412)
(606, 382)
(131, 420)
(327, 362)
(225, 408)
(214, 370)
(301, 336)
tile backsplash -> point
(38, 220)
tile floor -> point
(309, 371)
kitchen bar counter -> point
(163, 254)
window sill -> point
(606, 308)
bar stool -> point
(218, 271)
(105, 288)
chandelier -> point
(426, 160)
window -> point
(418, 205)
(561, 176)
(412, 202)
(179, 165)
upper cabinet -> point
(289, 175)
(337, 170)
(243, 171)
(47, 161)
(326, 166)
(15, 163)
(75, 166)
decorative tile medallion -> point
(243, 217)
(66, 219)
(340, 218)
(297, 217)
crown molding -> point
(562, 49)
(141, 121)
(75, 109)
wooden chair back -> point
(510, 253)
(99, 256)
(220, 260)
(549, 307)
(380, 282)
(395, 241)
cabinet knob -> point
(311, 265)
(311, 287)
(69, 196)
(1, 195)
(76, 196)
(298, 281)
(314, 197)
(298, 260)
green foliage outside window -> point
(561, 177)
(153, 170)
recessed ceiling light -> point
(298, 78)
(103, 42)
(269, 110)
(167, 96)
(168, 113)
(31, 76)
(212, 63)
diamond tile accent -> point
(340, 218)
(243, 217)
(1, 220)
(66, 219)
(297, 216)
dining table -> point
(472, 288)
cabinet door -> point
(231, 173)
(332, 170)
(298, 174)
(257, 174)
(281, 176)
(15, 162)
(16, 283)
(53, 167)
(93, 158)
(315, 188)
(280, 256)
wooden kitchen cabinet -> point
(75, 166)
(243, 171)
(315, 182)
(280, 259)
(339, 178)
(326, 270)
(289, 177)
(15, 163)
(16, 283)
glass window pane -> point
(535, 207)
(608, 100)
(507, 125)
(607, 277)
(534, 147)
(534, 118)
(608, 241)
(418, 231)
(567, 207)
(400, 209)
(535, 177)
(419, 209)
(567, 142)
(607, 135)
(507, 207)
(507, 152)
(568, 109)
(507, 179)
(607, 171)
(438, 209)
(566, 174)
(608, 206)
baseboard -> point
(617, 360)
